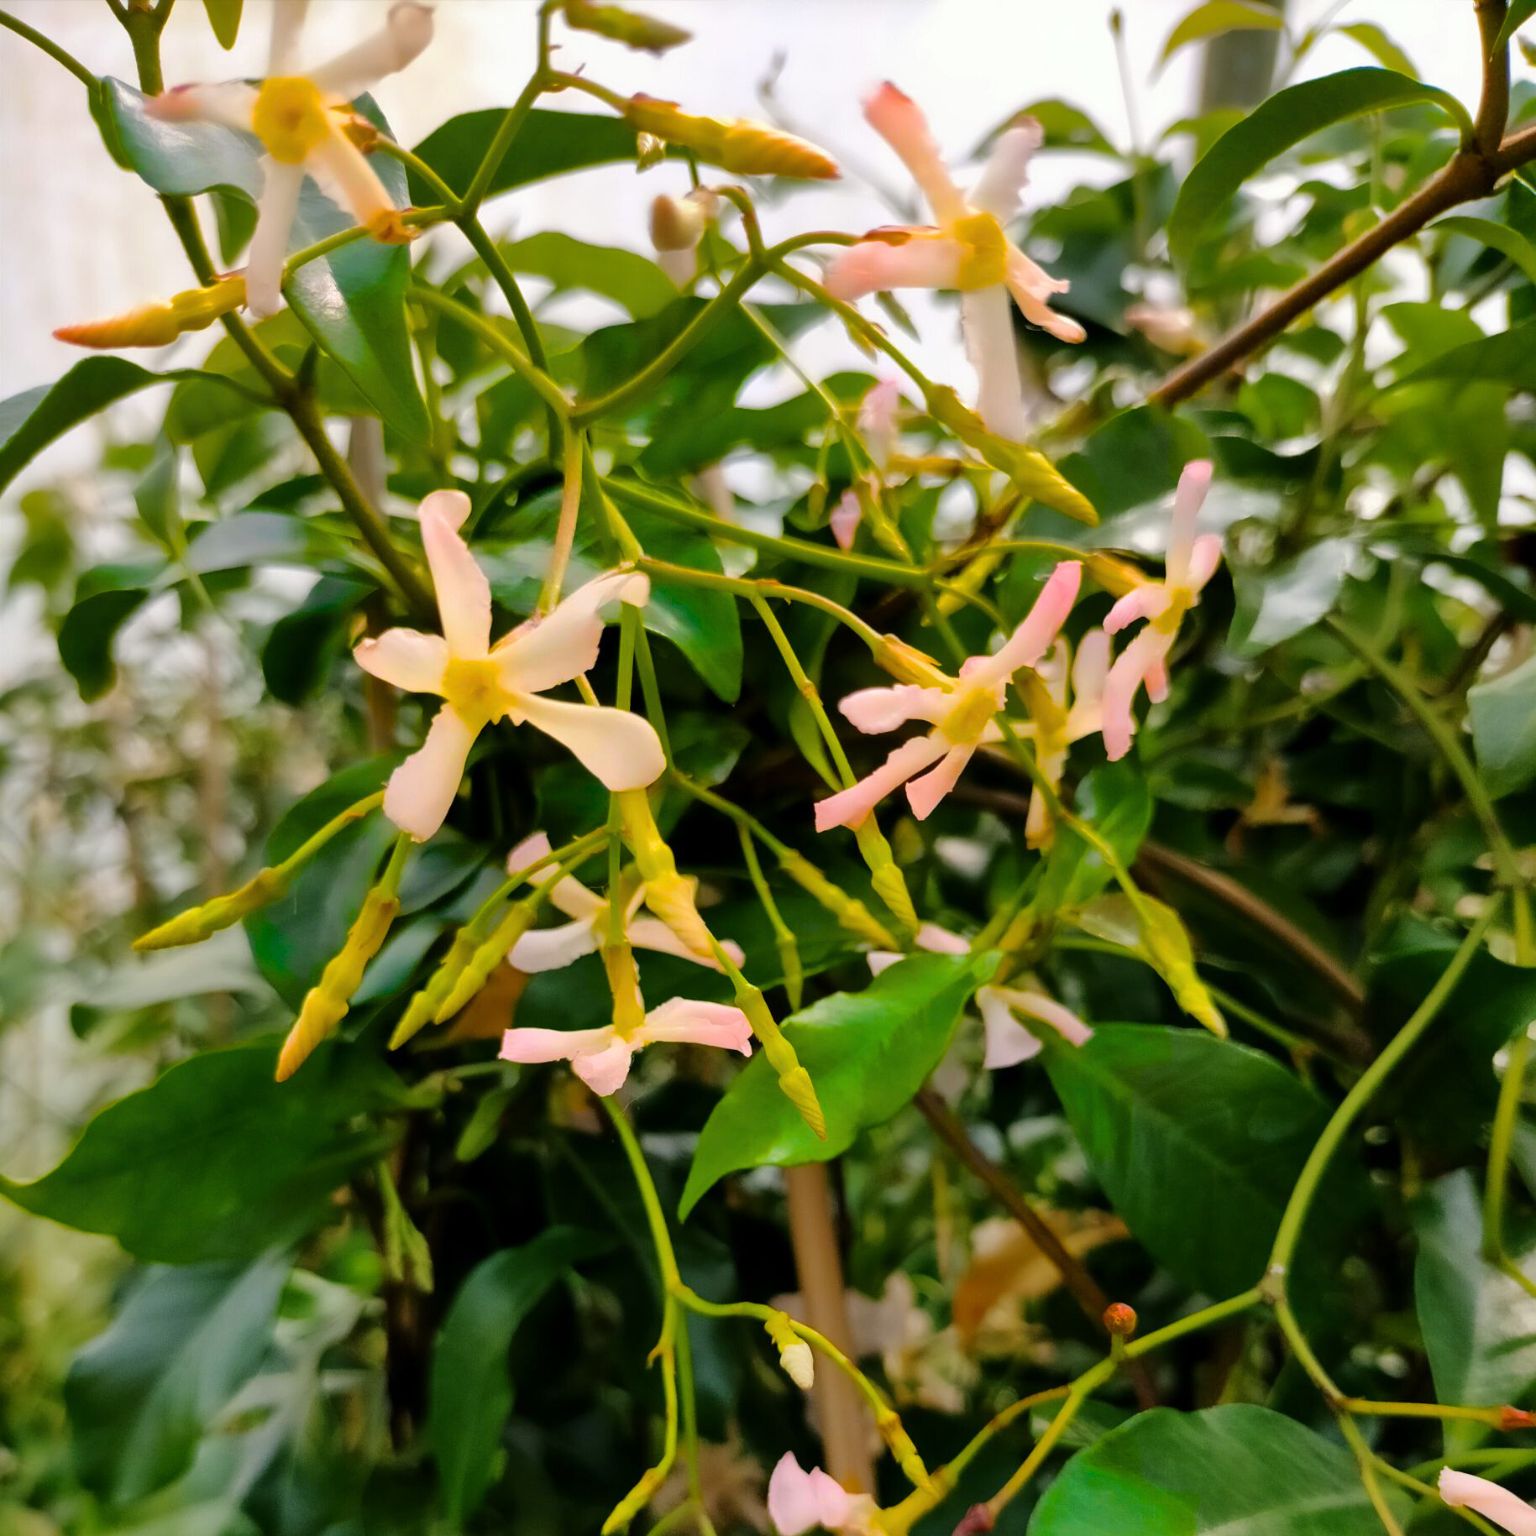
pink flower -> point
(1461, 1490)
(844, 521)
(961, 710)
(482, 683)
(1058, 719)
(877, 421)
(800, 1501)
(601, 1057)
(967, 251)
(1190, 564)
(300, 121)
(1008, 1040)
(551, 949)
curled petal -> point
(986, 322)
(873, 710)
(1007, 170)
(350, 181)
(923, 259)
(651, 933)
(1090, 666)
(230, 105)
(405, 659)
(547, 652)
(1037, 1005)
(882, 960)
(1204, 558)
(844, 521)
(1156, 679)
(940, 941)
(877, 420)
(552, 949)
(800, 1501)
(534, 847)
(463, 593)
(287, 23)
(850, 806)
(616, 747)
(686, 1022)
(1008, 1041)
(900, 122)
(405, 33)
(604, 1071)
(422, 788)
(1461, 1490)
(1187, 501)
(1145, 653)
(531, 1046)
(1147, 601)
(1039, 627)
(924, 794)
(1032, 286)
(280, 188)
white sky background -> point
(85, 239)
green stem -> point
(1500, 1142)
(52, 49)
(565, 528)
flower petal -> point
(900, 122)
(544, 653)
(552, 949)
(1008, 1041)
(687, 1022)
(877, 420)
(799, 1501)
(604, 1071)
(405, 33)
(1145, 653)
(924, 794)
(1187, 500)
(1031, 286)
(287, 23)
(986, 319)
(848, 807)
(463, 593)
(422, 788)
(1039, 627)
(651, 933)
(616, 747)
(405, 659)
(1090, 666)
(1461, 1490)
(1037, 1005)
(280, 188)
(1147, 601)
(844, 521)
(873, 710)
(940, 941)
(882, 960)
(1007, 170)
(534, 847)
(1204, 558)
(569, 895)
(346, 177)
(229, 105)
(540, 1045)
(926, 259)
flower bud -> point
(624, 985)
(747, 148)
(196, 924)
(1515, 1418)
(677, 226)
(884, 874)
(422, 1008)
(628, 27)
(795, 1355)
(848, 910)
(160, 323)
(901, 1446)
(794, 1081)
(486, 957)
(667, 893)
(1120, 1320)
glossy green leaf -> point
(867, 1053)
(1279, 124)
(1215, 17)
(140, 1394)
(302, 645)
(1502, 238)
(1506, 358)
(106, 597)
(567, 263)
(214, 1160)
(1065, 127)
(1380, 46)
(1196, 1141)
(1520, 12)
(1275, 602)
(1237, 1470)
(1503, 713)
(1114, 800)
(471, 1393)
(1479, 1326)
(224, 18)
(352, 301)
(262, 539)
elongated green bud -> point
(884, 873)
(631, 28)
(794, 971)
(901, 1446)
(848, 910)
(794, 1353)
(486, 957)
(422, 1009)
(794, 1080)
(667, 893)
(197, 923)
(327, 1002)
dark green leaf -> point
(262, 538)
(215, 1160)
(867, 1053)
(1503, 715)
(298, 652)
(1215, 17)
(1277, 125)
(471, 1394)
(105, 599)
(1239, 1470)
(1507, 358)
(1277, 601)
(623, 276)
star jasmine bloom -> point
(967, 251)
(601, 1057)
(482, 683)
(1008, 1040)
(800, 1501)
(550, 949)
(961, 710)
(1058, 718)
(1461, 1490)
(301, 120)
(1190, 564)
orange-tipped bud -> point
(1516, 1418)
(1120, 1320)
(160, 323)
(739, 145)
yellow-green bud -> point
(794, 1081)
(487, 956)
(628, 27)
(884, 874)
(747, 148)
(895, 1435)
(197, 923)
(422, 1009)
(848, 910)
(795, 1356)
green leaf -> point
(141, 1394)
(1503, 715)
(1498, 237)
(702, 623)
(1520, 12)
(623, 276)
(471, 1393)
(106, 597)
(263, 538)
(1196, 1141)
(30, 421)
(1114, 800)
(1216, 17)
(1064, 127)
(224, 18)
(867, 1053)
(352, 301)
(1380, 47)
(1279, 124)
(214, 1160)
(548, 144)
(297, 654)
(1276, 602)
(1506, 358)
(1238, 1470)
(1479, 1326)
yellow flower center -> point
(984, 258)
(1180, 601)
(473, 687)
(973, 709)
(290, 118)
